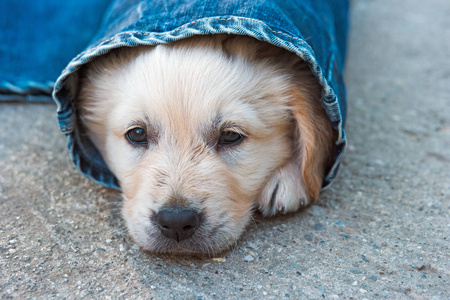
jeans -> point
(38, 39)
(315, 30)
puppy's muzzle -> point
(178, 223)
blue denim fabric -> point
(315, 30)
(38, 39)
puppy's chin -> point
(215, 126)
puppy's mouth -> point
(180, 230)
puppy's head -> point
(200, 132)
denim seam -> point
(29, 84)
(188, 24)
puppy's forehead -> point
(191, 114)
(188, 90)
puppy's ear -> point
(298, 182)
(313, 139)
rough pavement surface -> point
(381, 231)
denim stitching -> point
(184, 27)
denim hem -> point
(65, 87)
(27, 91)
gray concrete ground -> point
(381, 231)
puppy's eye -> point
(229, 137)
(137, 136)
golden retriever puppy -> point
(201, 132)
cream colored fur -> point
(185, 94)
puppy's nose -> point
(177, 223)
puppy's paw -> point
(285, 192)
